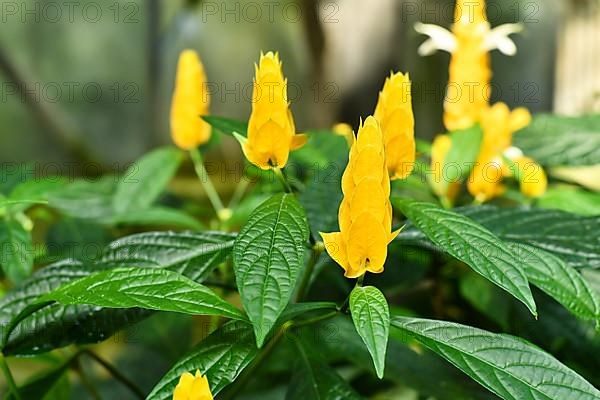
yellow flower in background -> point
(439, 150)
(470, 73)
(499, 124)
(190, 101)
(345, 130)
(271, 129)
(192, 387)
(394, 113)
(365, 214)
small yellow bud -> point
(345, 130)
(191, 100)
(365, 215)
(532, 178)
(271, 129)
(192, 387)
(439, 150)
(394, 113)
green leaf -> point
(222, 356)
(85, 199)
(34, 191)
(194, 255)
(146, 179)
(507, 366)
(314, 379)
(571, 199)
(227, 125)
(571, 237)
(472, 244)
(371, 316)
(147, 288)
(156, 216)
(337, 340)
(16, 250)
(486, 297)
(561, 141)
(268, 256)
(463, 153)
(191, 254)
(325, 158)
(558, 280)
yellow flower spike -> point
(365, 215)
(394, 113)
(192, 387)
(271, 130)
(469, 44)
(190, 101)
(499, 124)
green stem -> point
(314, 257)
(284, 182)
(314, 320)
(85, 382)
(212, 194)
(240, 189)
(10, 381)
(116, 374)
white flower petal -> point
(440, 39)
(498, 38)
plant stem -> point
(314, 257)
(212, 194)
(240, 189)
(85, 382)
(116, 374)
(284, 182)
(10, 381)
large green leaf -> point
(85, 199)
(191, 254)
(472, 244)
(506, 365)
(337, 340)
(146, 179)
(571, 237)
(371, 316)
(556, 141)
(314, 379)
(147, 288)
(221, 357)
(16, 250)
(571, 199)
(559, 281)
(268, 256)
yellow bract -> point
(439, 150)
(190, 101)
(365, 215)
(499, 124)
(469, 44)
(192, 387)
(394, 113)
(345, 130)
(271, 129)
(469, 77)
